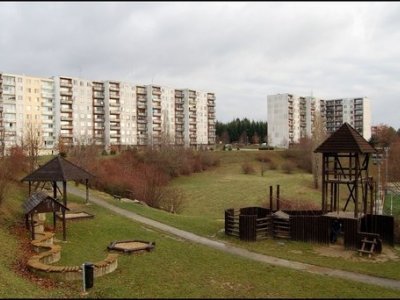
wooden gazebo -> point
(345, 159)
(40, 202)
(58, 170)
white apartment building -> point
(107, 113)
(355, 111)
(291, 117)
(26, 108)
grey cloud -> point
(241, 51)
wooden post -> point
(87, 191)
(323, 183)
(277, 197)
(30, 187)
(32, 227)
(65, 193)
(64, 228)
(27, 221)
(54, 220)
(54, 189)
(270, 197)
(357, 174)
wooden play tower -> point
(345, 160)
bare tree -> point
(255, 138)
(225, 137)
(32, 143)
(319, 134)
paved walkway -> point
(389, 283)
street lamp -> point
(377, 160)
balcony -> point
(114, 87)
(142, 128)
(156, 92)
(178, 121)
(98, 95)
(179, 108)
(66, 100)
(99, 135)
(156, 121)
(192, 129)
(65, 93)
(66, 127)
(98, 103)
(115, 126)
(65, 83)
(142, 114)
(140, 91)
(98, 87)
(65, 109)
(114, 95)
(98, 111)
(192, 122)
(211, 103)
(142, 120)
(114, 112)
(66, 118)
(141, 105)
(157, 128)
(114, 103)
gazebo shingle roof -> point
(58, 169)
(345, 140)
(36, 199)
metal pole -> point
(391, 204)
(83, 278)
(386, 169)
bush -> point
(288, 167)
(247, 168)
(104, 152)
(273, 165)
(263, 157)
(263, 168)
(172, 200)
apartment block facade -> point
(292, 117)
(110, 114)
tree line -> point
(242, 131)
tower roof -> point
(345, 140)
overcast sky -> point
(241, 51)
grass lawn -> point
(209, 193)
(180, 269)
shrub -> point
(172, 200)
(263, 157)
(288, 167)
(247, 168)
(263, 168)
(273, 165)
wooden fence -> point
(312, 228)
(255, 223)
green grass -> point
(208, 194)
(180, 269)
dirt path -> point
(389, 283)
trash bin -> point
(89, 274)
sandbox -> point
(75, 215)
(130, 246)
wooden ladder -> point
(366, 242)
